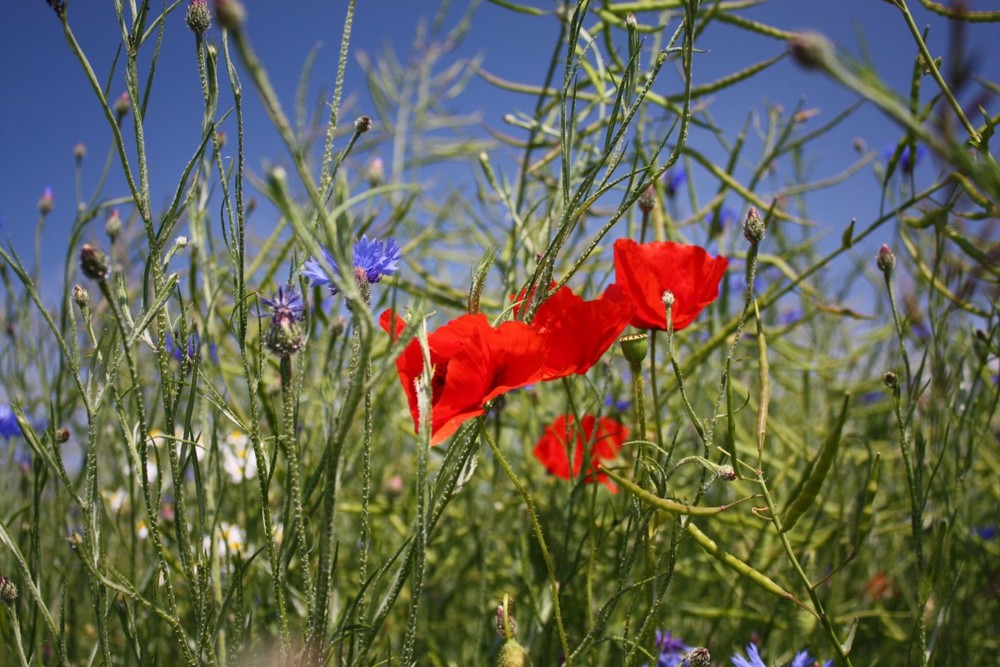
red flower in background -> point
(645, 271)
(600, 437)
(473, 364)
(578, 332)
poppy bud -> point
(362, 124)
(8, 591)
(885, 260)
(753, 226)
(647, 200)
(634, 347)
(93, 262)
(81, 297)
(197, 18)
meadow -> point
(581, 389)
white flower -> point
(238, 459)
(115, 499)
(141, 529)
(230, 539)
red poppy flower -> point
(600, 437)
(473, 364)
(645, 271)
(578, 332)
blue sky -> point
(49, 108)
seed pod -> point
(735, 564)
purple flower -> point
(672, 650)
(373, 260)
(907, 159)
(673, 180)
(8, 423)
(752, 658)
(620, 405)
(985, 532)
(190, 352)
(286, 305)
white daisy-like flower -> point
(238, 460)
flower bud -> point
(362, 124)
(8, 591)
(810, 49)
(197, 18)
(668, 298)
(889, 379)
(376, 172)
(634, 347)
(885, 260)
(512, 654)
(81, 296)
(647, 200)
(62, 435)
(220, 138)
(699, 657)
(753, 226)
(93, 262)
(79, 152)
(230, 14)
(46, 201)
(122, 106)
(113, 225)
(727, 473)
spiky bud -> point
(634, 347)
(362, 124)
(699, 657)
(81, 297)
(668, 298)
(647, 200)
(885, 260)
(8, 591)
(727, 473)
(93, 262)
(753, 226)
(198, 18)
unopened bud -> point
(181, 242)
(220, 138)
(113, 225)
(647, 200)
(230, 14)
(62, 435)
(810, 49)
(93, 262)
(634, 347)
(122, 106)
(376, 172)
(889, 379)
(631, 22)
(512, 654)
(727, 473)
(668, 298)
(81, 297)
(198, 18)
(79, 152)
(362, 124)
(699, 657)
(885, 260)
(46, 201)
(753, 226)
(8, 591)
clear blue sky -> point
(48, 107)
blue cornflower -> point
(286, 305)
(373, 260)
(620, 405)
(907, 159)
(190, 352)
(673, 180)
(986, 532)
(8, 423)
(672, 650)
(752, 659)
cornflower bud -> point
(668, 298)
(699, 657)
(647, 200)
(889, 379)
(79, 152)
(376, 172)
(220, 137)
(113, 225)
(46, 201)
(727, 473)
(81, 297)
(8, 591)
(197, 17)
(93, 262)
(230, 14)
(362, 124)
(810, 49)
(753, 226)
(885, 260)
(122, 106)
(62, 435)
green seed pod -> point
(817, 474)
(735, 564)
